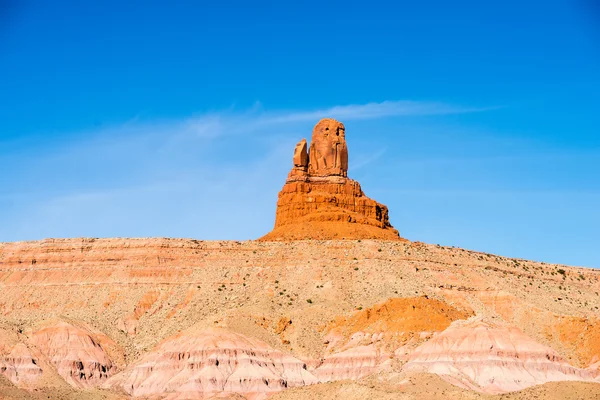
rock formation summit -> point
(319, 201)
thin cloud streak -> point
(216, 124)
(378, 110)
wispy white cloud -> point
(216, 124)
(256, 120)
(376, 110)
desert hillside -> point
(106, 313)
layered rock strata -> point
(319, 201)
(212, 361)
(78, 355)
(492, 358)
(354, 363)
(19, 366)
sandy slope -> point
(431, 387)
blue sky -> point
(477, 124)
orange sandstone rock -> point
(328, 151)
(411, 315)
(319, 201)
(300, 168)
(580, 334)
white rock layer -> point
(194, 364)
(491, 358)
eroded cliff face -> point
(154, 316)
(319, 201)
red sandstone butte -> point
(319, 201)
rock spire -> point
(319, 201)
